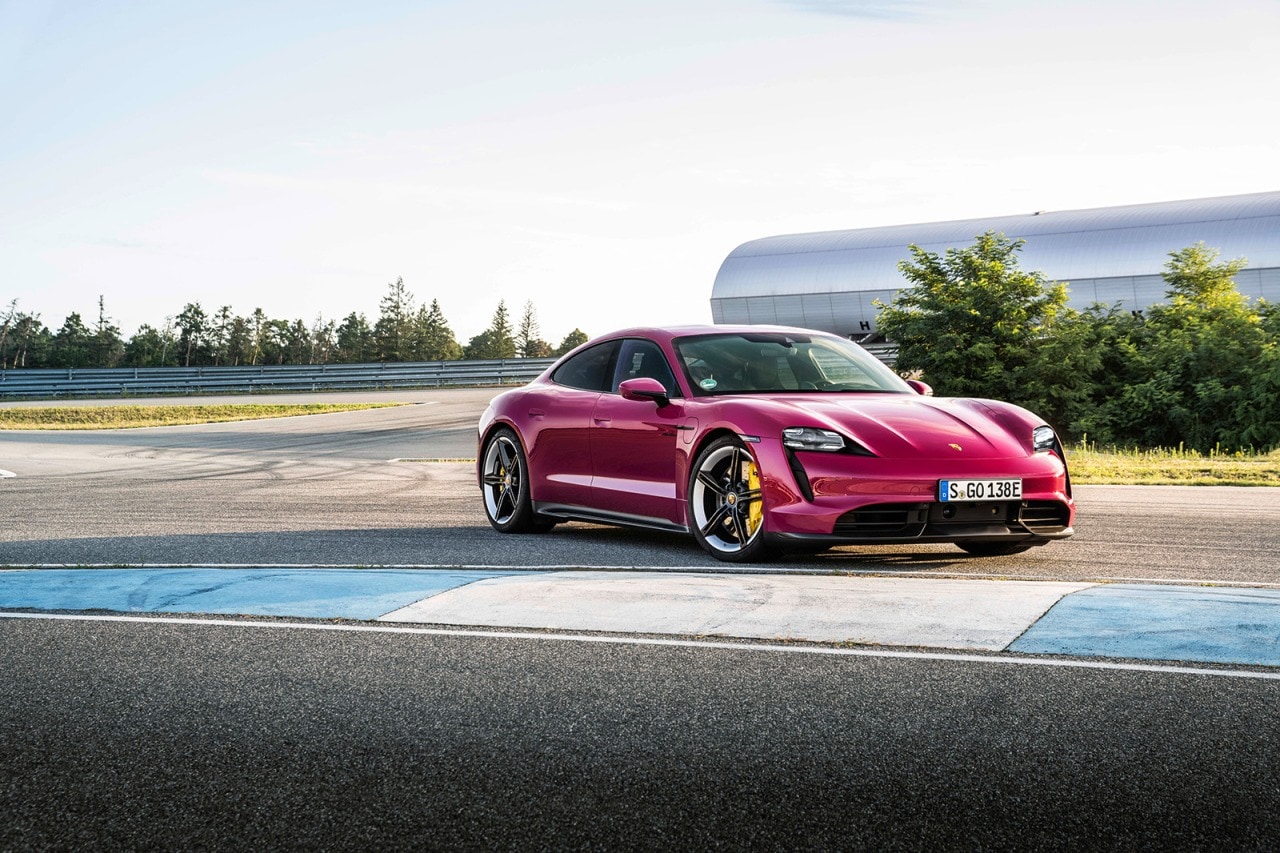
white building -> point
(830, 280)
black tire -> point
(726, 503)
(504, 484)
(993, 549)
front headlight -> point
(811, 438)
(1042, 438)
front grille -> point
(883, 520)
(1044, 516)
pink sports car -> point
(759, 439)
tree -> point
(296, 339)
(975, 325)
(219, 336)
(354, 340)
(497, 341)
(150, 347)
(528, 344)
(106, 347)
(192, 325)
(24, 339)
(394, 328)
(433, 339)
(1195, 362)
(71, 344)
(258, 334)
(322, 340)
(576, 338)
(239, 349)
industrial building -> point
(831, 280)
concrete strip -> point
(950, 614)
(1217, 625)
(315, 594)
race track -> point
(351, 489)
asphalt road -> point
(160, 736)
(337, 489)
(150, 734)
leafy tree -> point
(528, 344)
(976, 325)
(151, 347)
(1194, 362)
(258, 337)
(576, 338)
(24, 339)
(354, 340)
(106, 347)
(239, 345)
(192, 326)
(71, 344)
(323, 340)
(297, 343)
(394, 328)
(6, 329)
(219, 336)
(498, 341)
(433, 339)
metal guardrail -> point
(148, 381)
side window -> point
(643, 358)
(589, 369)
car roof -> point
(668, 333)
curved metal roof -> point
(1065, 245)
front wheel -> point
(726, 502)
(504, 482)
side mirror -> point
(644, 388)
(921, 388)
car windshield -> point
(773, 363)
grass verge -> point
(131, 417)
(1092, 465)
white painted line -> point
(4, 473)
(763, 648)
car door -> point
(633, 442)
(560, 420)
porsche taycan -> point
(762, 439)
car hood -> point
(896, 425)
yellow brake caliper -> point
(755, 514)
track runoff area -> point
(1033, 623)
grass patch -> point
(132, 417)
(1093, 465)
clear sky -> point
(600, 159)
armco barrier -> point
(148, 381)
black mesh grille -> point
(886, 520)
(1044, 516)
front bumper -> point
(839, 498)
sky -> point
(598, 160)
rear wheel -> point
(994, 549)
(726, 503)
(504, 482)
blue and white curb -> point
(1151, 622)
(1224, 625)
(304, 593)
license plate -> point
(979, 490)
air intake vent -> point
(1044, 516)
(883, 520)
